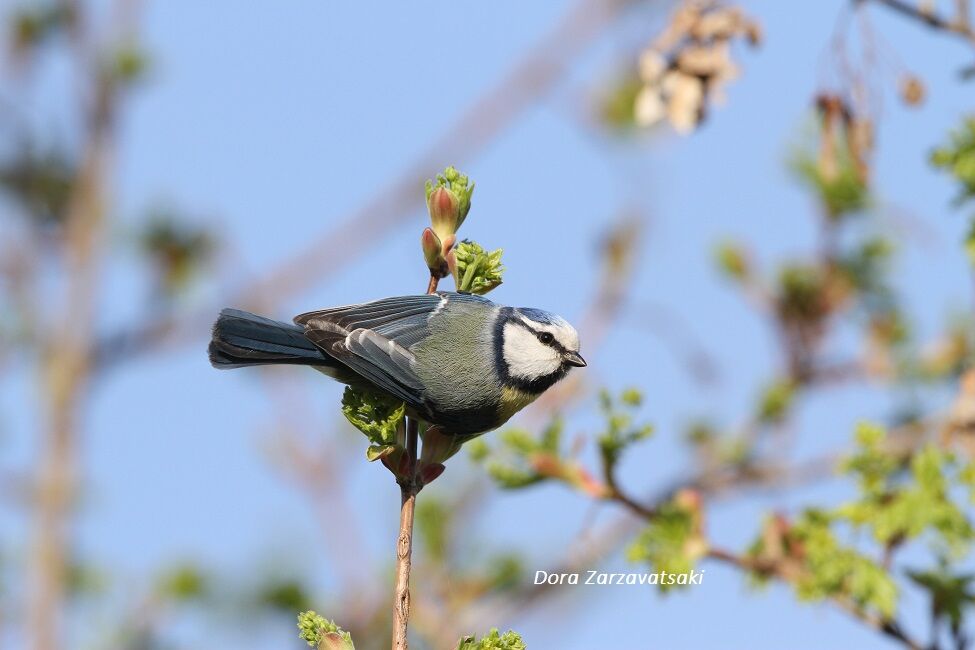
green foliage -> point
(126, 65)
(84, 579)
(833, 570)
(182, 583)
(433, 519)
(842, 192)
(477, 270)
(776, 401)
(620, 430)
(283, 594)
(801, 293)
(40, 181)
(379, 416)
(896, 511)
(732, 260)
(493, 641)
(970, 243)
(671, 542)
(505, 572)
(520, 446)
(866, 268)
(178, 250)
(950, 593)
(322, 633)
(957, 157)
(617, 104)
(30, 26)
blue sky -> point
(276, 124)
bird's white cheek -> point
(526, 356)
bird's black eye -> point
(546, 337)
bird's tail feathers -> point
(244, 339)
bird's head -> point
(535, 349)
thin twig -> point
(404, 541)
(409, 488)
(958, 26)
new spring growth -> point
(475, 270)
(493, 641)
(379, 417)
(322, 633)
(448, 202)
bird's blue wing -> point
(374, 339)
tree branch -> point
(958, 26)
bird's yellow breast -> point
(512, 401)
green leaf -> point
(670, 543)
(322, 633)
(957, 157)
(375, 452)
(377, 415)
(842, 193)
(493, 641)
(776, 401)
(950, 593)
(620, 432)
(181, 583)
(836, 570)
(477, 271)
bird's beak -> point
(574, 359)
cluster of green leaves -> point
(523, 459)
(950, 593)
(32, 25)
(478, 271)
(177, 249)
(897, 508)
(621, 431)
(378, 416)
(957, 157)
(322, 633)
(41, 182)
(830, 569)
(619, 101)
(776, 401)
(514, 463)
(671, 542)
(493, 641)
(842, 191)
(900, 498)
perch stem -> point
(408, 487)
(404, 542)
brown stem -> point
(408, 489)
(66, 371)
(404, 542)
(958, 26)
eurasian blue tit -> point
(457, 360)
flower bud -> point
(433, 253)
(448, 201)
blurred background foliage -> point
(875, 525)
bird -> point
(456, 360)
